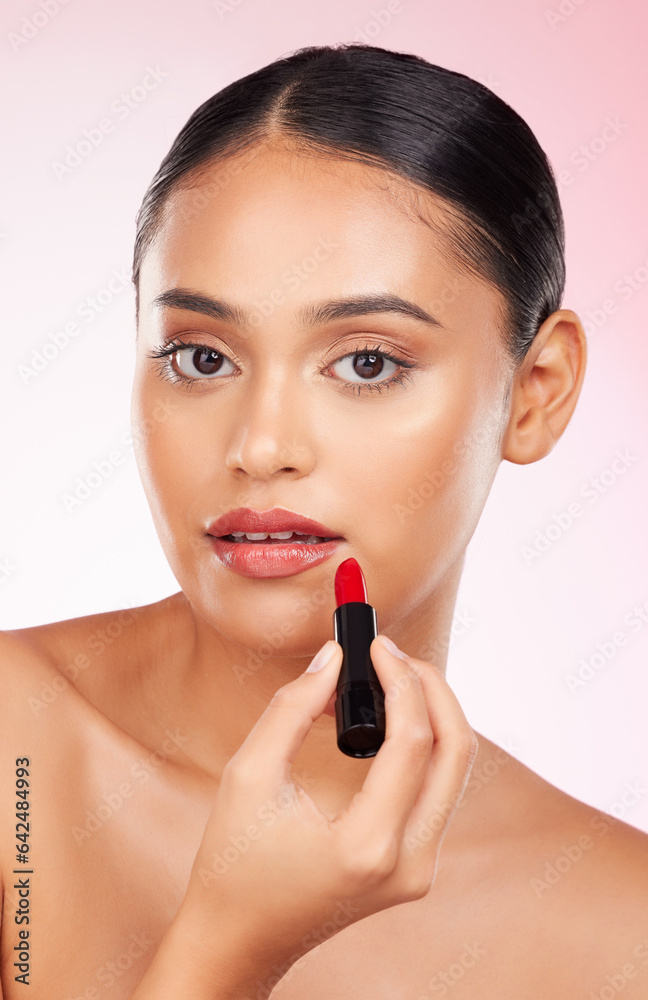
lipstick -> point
(359, 702)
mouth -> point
(268, 556)
(275, 538)
(275, 525)
(271, 543)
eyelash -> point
(167, 371)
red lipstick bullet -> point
(359, 702)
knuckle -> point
(417, 884)
(372, 864)
(239, 771)
(285, 697)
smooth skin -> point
(370, 854)
(221, 664)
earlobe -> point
(545, 388)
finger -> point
(272, 745)
(394, 779)
(330, 705)
(453, 752)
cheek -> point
(441, 468)
(170, 453)
(420, 477)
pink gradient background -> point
(60, 239)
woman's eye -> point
(361, 371)
(364, 367)
(201, 362)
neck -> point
(215, 690)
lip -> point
(275, 559)
(275, 519)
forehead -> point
(273, 216)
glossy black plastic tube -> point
(360, 703)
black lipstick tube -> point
(360, 700)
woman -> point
(349, 271)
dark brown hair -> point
(435, 127)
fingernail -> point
(322, 657)
(391, 646)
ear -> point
(545, 388)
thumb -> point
(321, 660)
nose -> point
(270, 433)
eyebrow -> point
(311, 315)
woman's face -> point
(397, 460)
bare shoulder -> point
(82, 653)
(42, 711)
(71, 644)
(578, 839)
(49, 717)
(584, 876)
(38, 704)
(41, 669)
(553, 890)
(23, 671)
(607, 860)
(24, 668)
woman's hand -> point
(272, 865)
